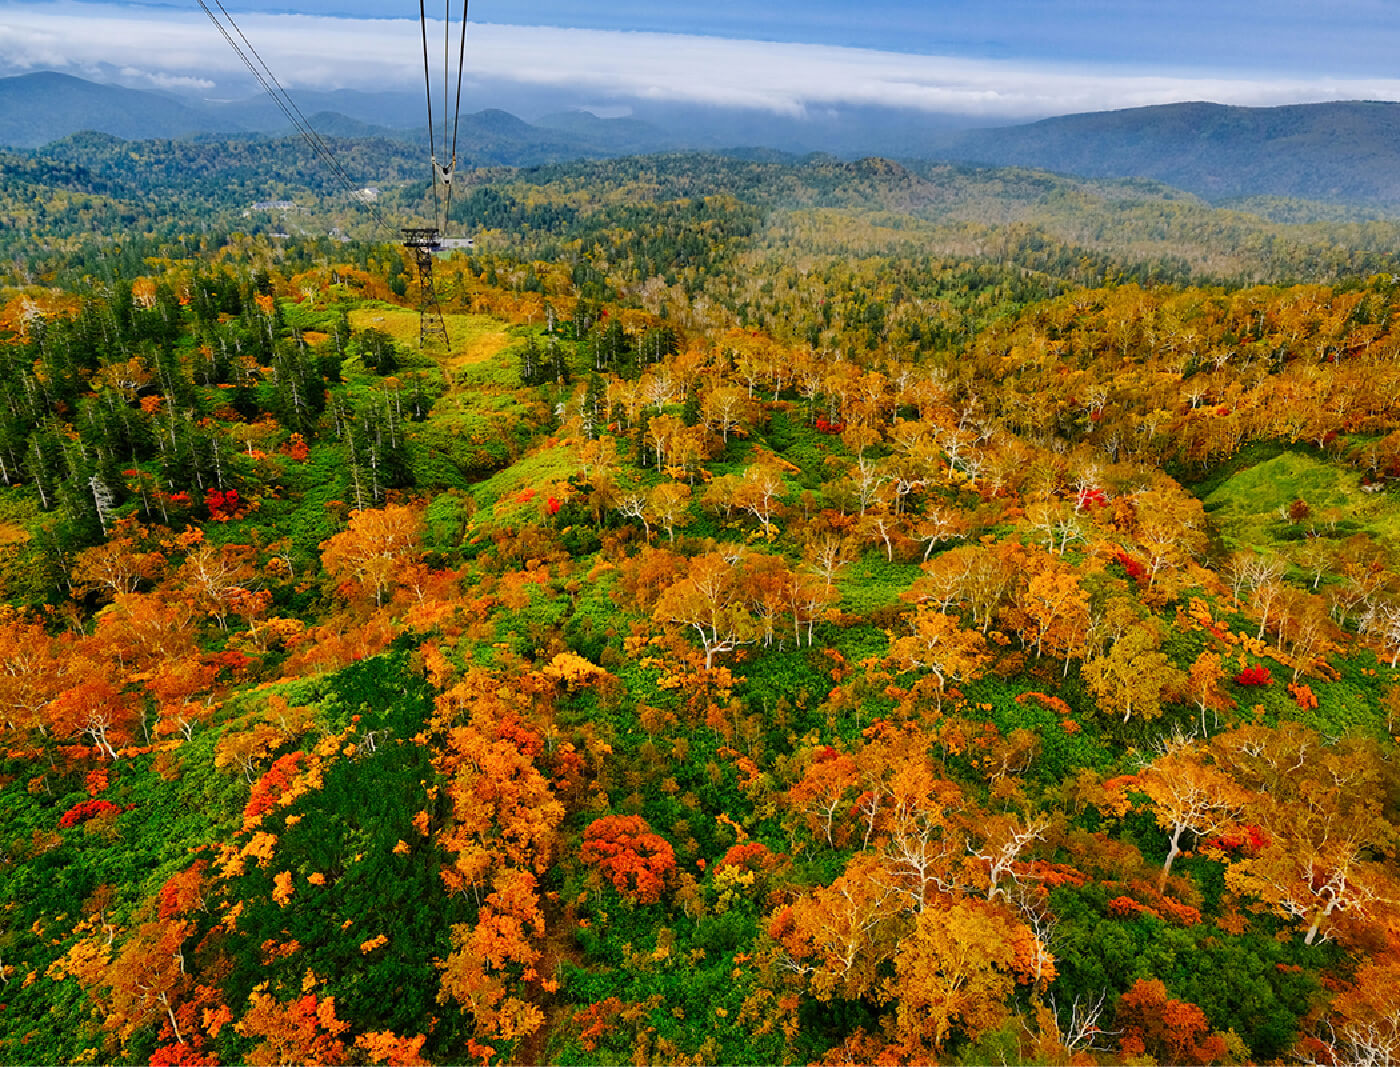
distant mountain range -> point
(40, 109)
(36, 109)
(1344, 153)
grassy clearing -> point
(1246, 506)
(475, 339)
(484, 421)
(501, 498)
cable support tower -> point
(423, 241)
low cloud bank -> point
(179, 49)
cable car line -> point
(428, 84)
(443, 173)
(457, 108)
(421, 241)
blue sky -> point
(1340, 37)
(992, 61)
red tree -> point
(629, 855)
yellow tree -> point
(1317, 867)
(1058, 608)
(1203, 686)
(118, 565)
(1133, 676)
(215, 577)
(1189, 793)
(1363, 1025)
(827, 789)
(32, 670)
(725, 410)
(148, 978)
(303, 1030)
(838, 936)
(758, 492)
(1322, 808)
(709, 602)
(503, 809)
(669, 505)
(937, 643)
(376, 545)
(956, 972)
(488, 955)
(918, 818)
(1170, 528)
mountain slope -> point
(1346, 152)
(36, 109)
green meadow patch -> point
(1252, 507)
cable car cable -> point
(428, 85)
(443, 172)
(287, 106)
(457, 109)
(300, 121)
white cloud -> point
(794, 79)
(160, 80)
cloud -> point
(165, 81)
(318, 52)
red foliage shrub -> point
(222, 506)
(823, 426)
(230, 660)
(751, 856)
(1161, 907)
(183, 891)
(1045, 700)
(597, 1020)
(1134, 569)
(88, 809)
(181, 1055)
(1054, 875)
(1302, 695)
(1127, 907)
(1254, 676)
(1179, 913)
(1250, 840)
(1171, 1031)
(297, 448)
(629, 855)
(512, 729)
(1090, 498)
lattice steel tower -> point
(424, 241)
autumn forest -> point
(808, 612)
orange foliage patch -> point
(1045, 700)
(596, 1020)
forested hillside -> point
(808, 613)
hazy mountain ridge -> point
(1344, 152)
(36, 109)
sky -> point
(991, 61)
